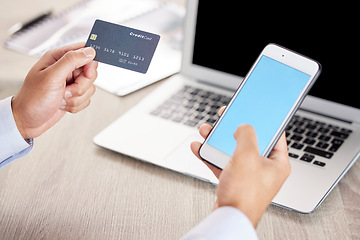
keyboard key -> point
(337, 141)
(322, 145)
(333, 127)
(188, 112)
(334, 148)
(296, 137)
(200, 109)
(297, 146)
(215, 97)
(320, 123)
(189, 105)
(311, 126)
(191, 123)
(211, 120)
(212, 113)
(165, 115)
(194, 92)
(339, 134)
(345, 130)
(309, 141)
(307, 119)
(312, 134)
(324, 138)
(293, 155)
(200, 117)
(307, 157)
(299, 130)
(321, 164)
(323, 130)
(178, 119)
(298, 123)
(318, 152)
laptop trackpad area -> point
(183, 160)
(157, 141)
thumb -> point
(73, 60)
(245, 137)
(246, 142)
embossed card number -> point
(122, 46)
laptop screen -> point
(229, 37)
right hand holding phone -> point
(249, 182)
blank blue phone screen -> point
(264, 101)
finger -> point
(75, 102)
(80, 86)
(77, 108)
(76, 105)
(204, 130)
(281, 155)
(221, 110)
(90, 70)
(216, 171)
(281, 145)
(195, 147)
(246, 139)
(71, 61)
(76, 73)
(71, 47)
(52, 56)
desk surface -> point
(68, 188)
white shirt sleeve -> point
(223, 223)
(12, 144)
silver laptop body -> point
(158, 131)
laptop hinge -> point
(216, 85)
(328, 116)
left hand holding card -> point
(122, 46)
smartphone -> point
(267, 99)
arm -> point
(61, 81)
(223, 223)
(249, 182)
(12, 144)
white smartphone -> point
(267, 99)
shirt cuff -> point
(223, 223)
(11, 141)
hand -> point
(62, 80)
(249, 182)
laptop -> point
(221, 42)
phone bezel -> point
(295, 60)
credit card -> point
(122, 46)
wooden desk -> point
(68, 188)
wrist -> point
(16, 111)
(253, 213)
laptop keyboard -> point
(193, 106)
(315, 139)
